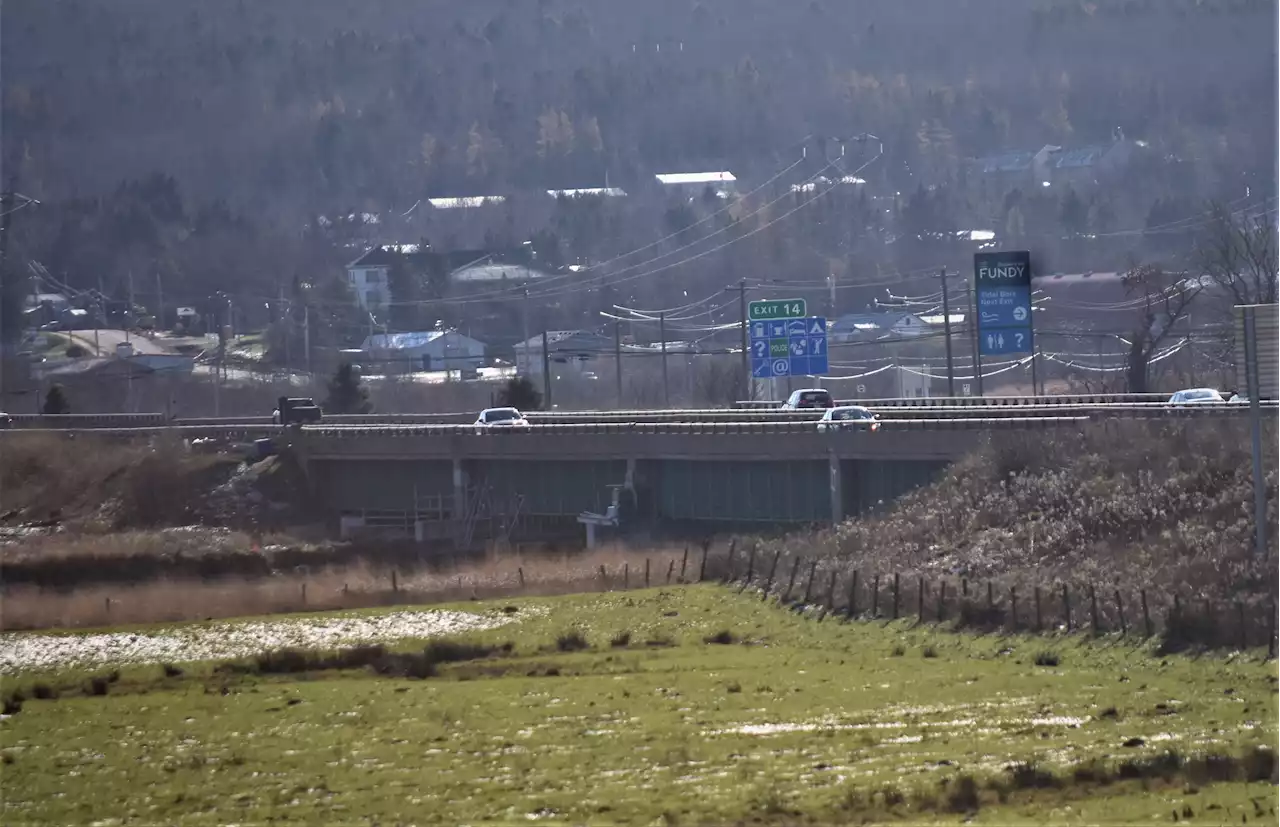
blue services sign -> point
(1002, 290)
(789, 347)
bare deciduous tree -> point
(1165, 300)
(1239, 252)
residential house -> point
(369, 275)
(428, 350)
(853, 327)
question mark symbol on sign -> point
(1019, 335)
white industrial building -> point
(576, 349)
(428, 350)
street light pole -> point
(946, 328)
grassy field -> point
(667, 706)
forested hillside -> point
(200, 140)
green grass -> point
(689, 706)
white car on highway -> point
(1197, 396)
(849, 418)
(500, 418)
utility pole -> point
(1035, 357)
(7, 200)
(1253, 388)
(306, 336)
(524, 315)
(971, 300)
(128, 373)
(946, 328)
(666, 388)
(617, 359)
(98, 319)
(128, 314)
(546, 373)
(159, 303)
(746, 350)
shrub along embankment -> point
(1127, 505)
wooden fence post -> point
(751, 566)
(1093, 609)
(1124, 624)
(791, 581)
(1244, 634)
(895, 595)
(304, 592)
(773, 570)
(852, 608)
(1013, 607)
(394, 585)
(942, 601)
(1039, 624)
(964, 587)
(626, 576)
(702, 569)
(1066, 604)
(671, 569)
(875, 597)
(808, 586)
(728, 571)
(1271, 631)
(831, 592)
(1211, 622)
(684, 562)
(1146, 614)
(920, 600)
(604, 577)
(106, 601)
(520, 571)
(991, 599)
(646, 572)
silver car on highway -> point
(849, 418)
(1197, 396)
(500, 418)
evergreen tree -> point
(55, 402)
(520, 393)
(346, 393)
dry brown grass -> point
(1121, 505)
(349, 588)
(99, 484)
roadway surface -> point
(108, 339)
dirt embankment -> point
(76, 509)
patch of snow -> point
(21, 652)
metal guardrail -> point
(978, 401)
(262, 426)
(671, 428)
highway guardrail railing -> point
(967, 401)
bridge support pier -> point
(837, 488)
(459, 499)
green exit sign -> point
(777, 309)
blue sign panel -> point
(1002, 295)
(789, 347)
(1004, 307)
(1005, 341)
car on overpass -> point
(1196, 396)
(809, 399)
(500, 418)
(849, 418)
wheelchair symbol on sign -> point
(781, 367)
